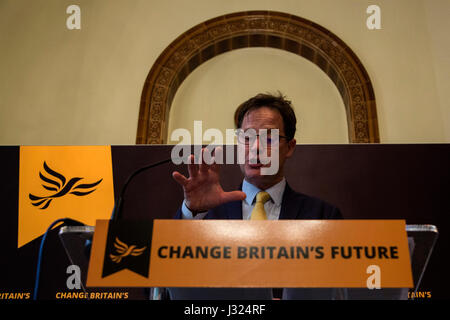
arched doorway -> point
(258, 29)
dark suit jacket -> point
(294, 206)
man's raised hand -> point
(202, 190)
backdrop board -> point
(408, 182)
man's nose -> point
(253, 148)
(254, 143)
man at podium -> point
(204, 197)
(261, 196)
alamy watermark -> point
(73, 22)
(254, 147)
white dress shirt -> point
(272, 207)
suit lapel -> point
(290, 205)
(234, 210)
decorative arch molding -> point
(258, 29)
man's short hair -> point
(278, 102)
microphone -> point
(117, 211)
(118, 204)
(116, 215)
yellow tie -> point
(258, 212)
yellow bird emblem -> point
(124, 250)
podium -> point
(421, 241)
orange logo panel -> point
(236, 253)
(63, 182)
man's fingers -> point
(218, 157)
(234, 196)
(192, 167)
(203, 165)
(178, 177)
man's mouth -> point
(256, 165)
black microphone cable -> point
(63, 221)
(116, 215)
(117, 211)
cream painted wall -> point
(241, 74)
(438, 13)
(83, 87)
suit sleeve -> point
(335, 214)
(185, 213)
(179, 214)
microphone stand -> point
(117, 211)
(118, 204)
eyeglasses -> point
(249, 136)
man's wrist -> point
(194, 212)
(188, 214)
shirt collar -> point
(276, 191)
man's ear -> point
(291, 147)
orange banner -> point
(236, 253)
(63, 182)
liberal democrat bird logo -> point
(124, 250)
(58, 185)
